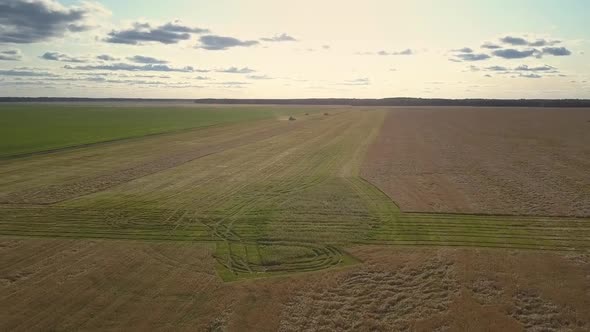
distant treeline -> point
(66, 99)
(337, 101)
(409, 102)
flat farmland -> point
(51, 127)
(484, 160)
(268, 224)
(57, 284)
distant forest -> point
(409, 102)
(338, 101)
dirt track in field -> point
(484, 160)
(84, 285)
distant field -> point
(520, 161)
(39, 127)
(268, 225)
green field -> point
(34, 128)
(273, 196)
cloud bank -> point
(146, 60)
(219, 43)
(236, 70)
(31, 21)
(131, 67)
(279, 38)
(106, 57)
(140, 33)
(56, 56)
(10, 55)
(520, 41)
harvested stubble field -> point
(484, 160)
(186, 225)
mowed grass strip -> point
(35, 128)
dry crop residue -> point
(486, 291)
(538, 314)
(100, 284)
(484, 160)
(373, 299)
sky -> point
(295, 49)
